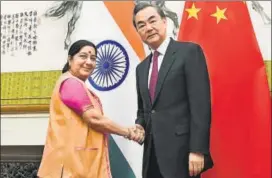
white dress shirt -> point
(162, 50)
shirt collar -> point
(163, 47)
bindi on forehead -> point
(87, 50)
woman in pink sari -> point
(76, 144)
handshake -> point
(136, 133)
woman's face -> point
(83, 63)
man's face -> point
(151, 27)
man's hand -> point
(196, 163)
(138, 133)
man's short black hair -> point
(142, 6)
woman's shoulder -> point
(67, 76)
(71, 84)
(71, 81)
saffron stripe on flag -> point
(122, 12)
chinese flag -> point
(241, 105)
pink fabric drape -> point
(73, 95)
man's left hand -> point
(196, 163)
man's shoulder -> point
(143, 62)
(186, 44)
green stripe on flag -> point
(120, 168)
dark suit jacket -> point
(181, 112)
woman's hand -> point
(136, 133)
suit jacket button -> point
(153, 111)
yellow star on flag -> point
(219, 14)
(193, 11)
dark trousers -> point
(153, 168)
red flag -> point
(241, 106)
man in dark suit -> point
(174, 105)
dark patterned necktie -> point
(154, 75)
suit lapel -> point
(145, 78)
(165, 66)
